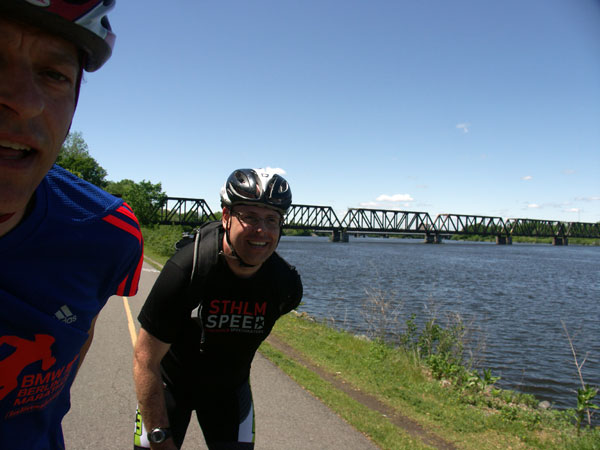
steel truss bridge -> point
(182, 211)
(194, 212)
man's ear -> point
(225, 216)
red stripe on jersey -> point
(121, 288)
(126, 210)
(136, 276)
(135, 280)
(135, 231)
(124, 226)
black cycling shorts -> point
(226, 418)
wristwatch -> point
(159, 435)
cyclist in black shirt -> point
(212, 305)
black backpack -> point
(205, 240)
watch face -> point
(156, 436)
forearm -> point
(150, 394)
(149, 387)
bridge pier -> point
(560, 240)
(339, 236)
(503, 240)
(432, 239)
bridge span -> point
(361, 221)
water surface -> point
(512, 298)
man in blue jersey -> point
(65, 245)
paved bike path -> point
(103, 397)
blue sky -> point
(468, 106)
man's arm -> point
(148, 353)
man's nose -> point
(261, 224)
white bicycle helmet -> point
(257, 187)
(82, 22)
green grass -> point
(473, 421)
(159, 241)
(369, 422)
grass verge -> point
(369, 422)
(489, 420)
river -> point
(512, 298)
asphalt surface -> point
(103, 396)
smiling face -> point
(38, 77)
(253, 233)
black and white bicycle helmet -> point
(257, 187)
(83, 22)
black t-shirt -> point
(237, 314)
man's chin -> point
(256, 256)
(13, 200)
(253, 261)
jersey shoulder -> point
(76, 200)
(280, 265)
(287, 281)
(82, 215)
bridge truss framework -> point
(194, 212)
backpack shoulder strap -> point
(206, 252)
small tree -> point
(143, 197)
(75, 157)
(120, 188)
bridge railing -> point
(318, 218)
(183, 211)
(537, 228)
(582, 229)
(387, 221)
(470, 225)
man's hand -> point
(148, 353)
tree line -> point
(143, 196)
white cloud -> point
(367, 204)
(274, 170)
(573, 210)
(464, 127)
(527, 178)
(568, 171)
(533, 205)
(395, 198)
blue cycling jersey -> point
(77, 247)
